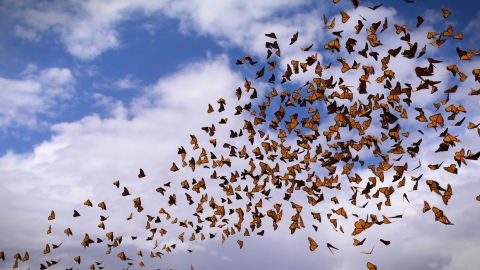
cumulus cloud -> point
(38, 92)
(89, 28)
(83, 157)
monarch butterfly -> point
(52, 215)
(357, 242)
(345, 17)
(440, 217)
(56, 246)
(358, 27)
(103, 206)
(117, 183)
(47, 249)
(75, 213)
(68, 231)
(420, 20)
(125, 192)
(446, 12)
(180, 236)
(240, 243)
(341, 212)
(313, 244)
(294, 38)
(330, 246)
(426, 206)
(77, 259)
(360, 226)
(369, 252)
(458, 36)
(448, 32)
(122, 256)
(49, 231)
(438, 42)
(451, 169)
(174, 167)
(332, 24)
(333, 45)
(2, 255)
(465, 55)
(476, 73)
(141, 174)
(371, 266)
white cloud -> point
(88, 28)
(85, 156)
(38, 93)
(127, 83)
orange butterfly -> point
(446, 12)
(102, 205)
(52, 216)
(345, 17)
(465, 55)
(369, 252)
(47, 249)
(357, 242)
(313, 244)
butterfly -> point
(369, 264)
(375, 7)
(440, 217)
(451, 169)
(355, 3)
(464, 55)
(446, 13)
(448, 32)
(357, 242)
(341, 212)
(68, 231)
(313, 244)
(141, 174)
(294, 38)
(358, 27)
(369, 252)
(122, 256)
(77, 259)
(332, 24)
(330, 247)
(103, 206)
(47, 249)
(75, 213)
(420, 20)
(125, 192)
(117, 183)
(333, 45)
(360, 226)
(52, 216)
(345, 16)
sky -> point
(91, 91)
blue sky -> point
(91, 91)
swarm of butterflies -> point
(356, 119)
